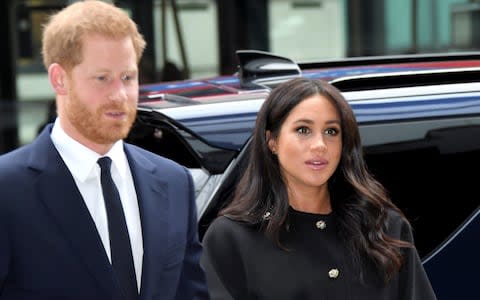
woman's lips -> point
(317, 164)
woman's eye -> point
(303, 130)
(332, 131)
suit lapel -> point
(61, 197)
(153, 204)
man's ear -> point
(58, 77)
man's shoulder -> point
(18, 155)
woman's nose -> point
(319, 143)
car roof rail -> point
(390, 59)
(255, 66)
(407, 79)
(260, 69)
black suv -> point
(419, 117)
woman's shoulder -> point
(227, 228)
(398, 226)
(226, 225)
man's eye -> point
(129, 77)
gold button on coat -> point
(321, 224)
(333, 273)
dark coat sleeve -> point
(225, 276)
(413, 281)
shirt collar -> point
(81, 160)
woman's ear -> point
(57, 77)
(272, 145)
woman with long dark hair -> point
(308, 220)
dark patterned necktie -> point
(121, 250)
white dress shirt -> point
(82, 163)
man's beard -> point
(92, 124)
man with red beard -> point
(84, 215)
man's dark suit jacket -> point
(50, 247)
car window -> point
(160, 134)
(428, 177)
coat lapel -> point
(61, 197)
(153, 205)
